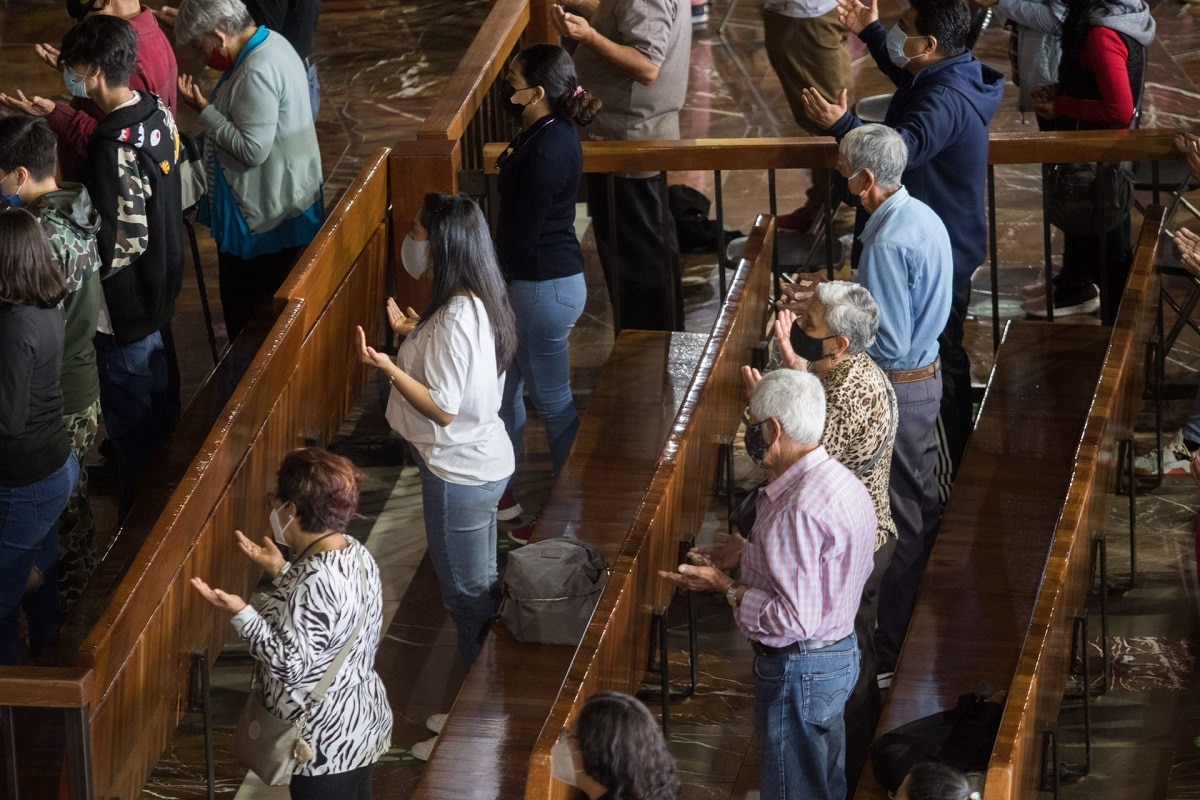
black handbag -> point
(1088, 199)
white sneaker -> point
(884, 680)
(436, 722)
(1176, 460)
(421, 751)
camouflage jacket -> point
(71, 223)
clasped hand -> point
(704, 571)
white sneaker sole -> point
(1039, 309)
(510, 513)
(436, 722)
(421, 751)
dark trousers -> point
(865, 703)
(1081, 267)
(916, 510)
(246, 283)
(352, 785)
(956, 405)
(643, 257)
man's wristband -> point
(731, 594)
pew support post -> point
(69, 689)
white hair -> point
(850, 311)
(199, 19)
(796, 399)
(879, 149)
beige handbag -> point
(273, 747)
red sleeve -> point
(73, 125)
(1104, 53)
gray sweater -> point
(261, 123)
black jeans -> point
(352, 785)
(1081, 268)
(248, 282)
(644, 256)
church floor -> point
(382, 63)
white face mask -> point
(562, 761)
(415, 256)
(277, 528)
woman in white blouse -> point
(445, 401)
(319, 600)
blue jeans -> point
(460, 533)
(798, 703)
(545, 311)
(135, 399)
(28, 539)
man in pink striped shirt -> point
(803, 570)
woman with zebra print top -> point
(319, 599)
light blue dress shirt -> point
(907, 266)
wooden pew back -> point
(140, 620)
(614, 649)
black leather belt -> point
(794, 648)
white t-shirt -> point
(454, 355)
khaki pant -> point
(809, 52)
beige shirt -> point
(860, 429)
(661, 30)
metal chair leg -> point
(208, 321)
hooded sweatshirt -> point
(942, 112)
(133, 181)
(71, 223)
(1102, 73)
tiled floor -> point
(382, 63)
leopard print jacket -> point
(860, 429)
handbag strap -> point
(863, 470)
(318, 692)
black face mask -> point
(810, 348)
(756, 443)
(506, 101)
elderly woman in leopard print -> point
(860, 428)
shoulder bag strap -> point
(318, 692)
(863, 470)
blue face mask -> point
(895, 46)
(11, 200)
(77, 87)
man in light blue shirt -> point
(908, 267)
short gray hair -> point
(879, 149)
(201, 18)
(796, 399)
(850, 311)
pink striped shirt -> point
(809, 554)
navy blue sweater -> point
(539, 180)
(943, 112)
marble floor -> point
(382, 63)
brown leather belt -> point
(913, 375)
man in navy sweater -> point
(945, 99)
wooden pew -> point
(1011, 567)
(637, 481)
(139, 624)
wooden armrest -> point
(46, 687)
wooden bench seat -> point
(1009, 569)
(626, 488)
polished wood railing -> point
(289, 380)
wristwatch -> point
(731, 593)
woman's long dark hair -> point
(463, 258)
(29, 275)
(551, 67)
(1078, 22)
(622, 748)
